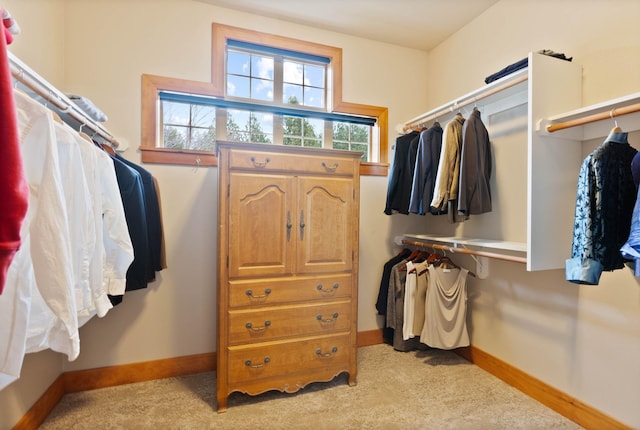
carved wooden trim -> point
(220, 33)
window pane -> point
(292, 94)
(262, 67)
(203, 116)
(313, 143)
(361, 148)
(314, 128)
(175, 113)
(292, 126)
(340, 131)
(352, 137)
(245, 126)
(340, 145)
(292, 141)
(261, 89)
(175, 137)
(313, 97)
(292, 72)
(261, 127)
(238, 86)
(360, 133)
(238, 63)
(203, 139)
(314, 75)
(237, 121)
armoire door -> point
(324, 220)
(261, 222)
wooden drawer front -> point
(288, 290)
(263, 361)
(266, 161)
(277, 323)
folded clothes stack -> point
(521, 64)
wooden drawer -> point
(288, 290)
(271, 323)
(275, 359)
(273, 162)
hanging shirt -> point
(401, 177)
(395, 308)
(152, 215)
(118, 247)
(46, 331)
(44, 260)
(604, 205)
(426, 168)
(446, 186)
(422, 280)
(409, 301)
(132, 195)
(631, 249)
(445, 324)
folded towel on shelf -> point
(88, 107)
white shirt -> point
(44, 260)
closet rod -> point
(465, 251)
(25, 75)
(595, 117)
(468, 99)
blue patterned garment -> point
(604, 204)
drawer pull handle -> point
(331, 290)
(250, 326)
(266, 293)
(258, 163)
(330, 168)
(327, 354)
(257, 366)
(327, 320)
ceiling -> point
(418, 24)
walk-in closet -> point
(345, 214)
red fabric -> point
(14, 191)
(8, 37)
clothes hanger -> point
(446, 263)
(616, 128)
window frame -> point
(152, 85)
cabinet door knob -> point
(262, 296)
(302, 225)
(289, 225)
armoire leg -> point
(352, 380)
(222, 404)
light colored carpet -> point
(431, 389)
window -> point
(266, 89)
(189, 127)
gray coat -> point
(474, 192)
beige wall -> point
(582, 340)
(103, 47)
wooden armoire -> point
(287, 267)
